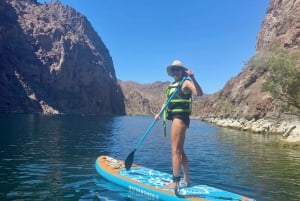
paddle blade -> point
(129, 160)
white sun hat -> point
(177, 64)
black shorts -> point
(185, 117)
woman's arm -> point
(191, 85)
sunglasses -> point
(176, 69)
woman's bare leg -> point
(179, 159)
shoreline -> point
(289, 129)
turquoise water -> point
(52, 158)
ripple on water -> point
(52, 158)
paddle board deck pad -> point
(150, 183)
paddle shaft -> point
(160, 112)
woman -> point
(178, 112)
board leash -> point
(177, 192)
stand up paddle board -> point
(150, 183)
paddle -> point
(129, 159)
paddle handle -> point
(160, 112)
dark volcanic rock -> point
(52, 61)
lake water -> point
(52, 158)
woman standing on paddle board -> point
(178, 111)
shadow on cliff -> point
(17, 66)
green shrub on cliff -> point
(283, 76)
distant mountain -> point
(143, 99)
(148, 99)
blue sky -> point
(214, 38)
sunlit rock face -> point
(52, 61)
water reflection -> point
(52, 158)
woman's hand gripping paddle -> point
(129, 159)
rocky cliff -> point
(242, 95)
(242, 103)
(281, 25)
(52, 61)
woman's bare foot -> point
(171, 185)
(185, 182)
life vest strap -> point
(181, 100)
